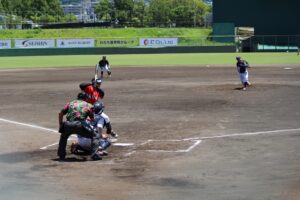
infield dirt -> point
(162, 103)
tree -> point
(33, 9)
(7, 5)
(160, 12)
(104, 10)
(1, 7)
(179, 12)
(123, 10)
(139, 12)
(55, 9)
(68, 18)
(187, 12)
(201, 9)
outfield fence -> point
(119, 45)
(142, 42)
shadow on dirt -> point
(238, 88)
(15, 157)
(71, 159)
(176, 182)
(40, 155)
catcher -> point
(100, 121)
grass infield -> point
(195, 59)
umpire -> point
(77, 112)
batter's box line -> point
(195, 140)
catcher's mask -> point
(98, 107)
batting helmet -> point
(96, 81)
(98, 107)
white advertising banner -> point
(5, 44)
(158, 42)
(35, 43)
(74, 43)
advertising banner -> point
(5, 44)
(158, 42)
(36, 43)
(116, 42)
(75, 43)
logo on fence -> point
(158, 42)
(74, 43)
(5, 44)
(34, 43)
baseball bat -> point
(96, 72)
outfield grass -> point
(195, 59)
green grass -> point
(196, 59)
(187, 36)
(104, 32)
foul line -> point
(29, 125)
(248, 134)
(53, 131)
(50, 145)
(197, 140)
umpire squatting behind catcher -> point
(76, 113)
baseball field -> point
(186, 129)
(152, 60)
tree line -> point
(141, 13)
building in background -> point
(84, 10)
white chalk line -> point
(53, 131)
(200, 139)
(249, 134)
(197, 140)
(29, 125)
(50, 145)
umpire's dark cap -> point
(82, 96)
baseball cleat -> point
(96, 157)
(114, 134)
